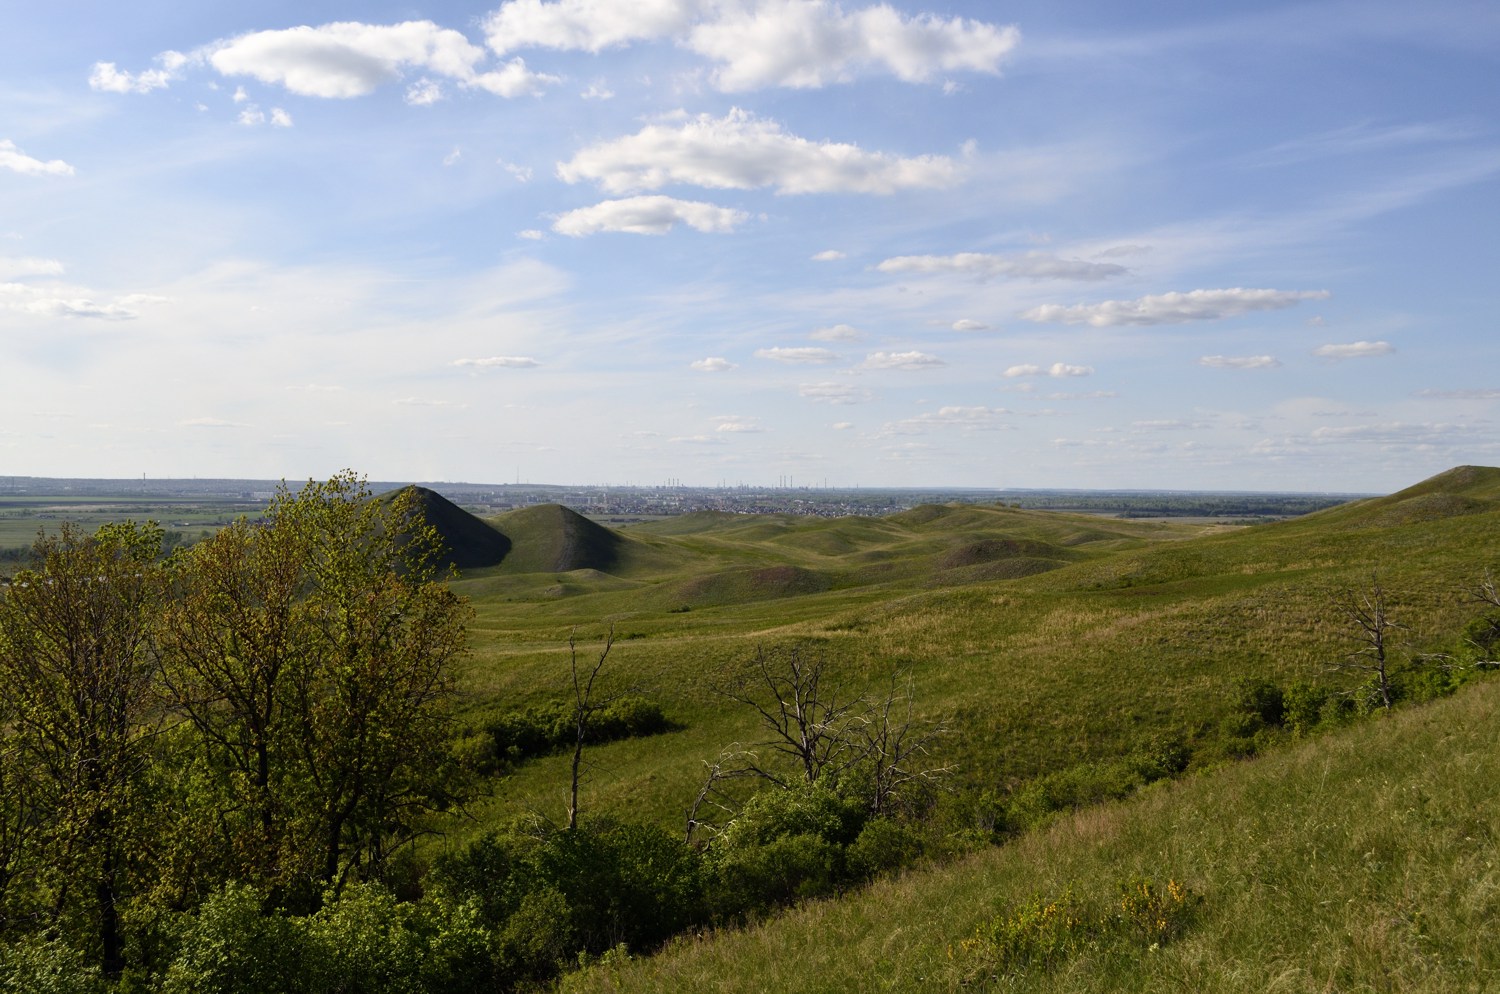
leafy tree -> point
(313, 654)
(77, 666)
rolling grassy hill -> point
(1050, 640)
(1365, 860)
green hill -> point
(468, 543)
(1366, 860)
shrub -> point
(1304, 703)
(34, 965)
(1261, 699)
(883, 845)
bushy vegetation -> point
(303, 782)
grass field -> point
(1114, 633)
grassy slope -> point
(1140, 634)
(1364, 860)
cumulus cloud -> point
(833, 393)
(342, 60)
(1173, 308)
(713, 364)
(585, 25)
(649, 215)
(1240, 362)
(967, 324)
(790, 43)
(812, 43)
(1029, 265)
(742, 152)
(499, 361)
(836, 333)
(280, 118)
(16, 161)
(828, 255)
(842, 425)
(805, 354)
(108, 77)
(1354, 350)
(1057, 369)
(18, 268)
(901, 360)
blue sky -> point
(1202, 246)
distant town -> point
(625, 504)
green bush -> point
(1261, 699)
(1304, 703)
(883, 845)
(230, 946)
(539, 730)
(35, 965)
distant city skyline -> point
(1235, 247)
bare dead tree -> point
(897, 743)
(1372, 633)
(584, 708)
(715, 806)
(1485, 640)
(808, 722)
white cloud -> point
(1240, 362)
(966, 324)
(350, 59)
(1061, 369)
(597, 91)
(650, 215)
(1173, 308)
(1057, 369)
(521, 173)
(421, 402)
(211, 423)
(499, 361)
(584, 25)
(833, 393)
(1168, 424)
(453, 157)
(696, 440)
(793, 43)
(531, 235)
(742, 152)
(713, 364)
(811, 43)
(901, 360)
(1354, 350)
(836, 333)
(828, 255)
(17, 268)
(68, 302)
(251, 116)
(1030, 265)
(1396, 433)
(15, 160)
(797, 355)
(109, 78)
(240, 96)
(424, 92)
(280, 118)
(842, 425)
(967, 418)
(738, 425)
(1461, 394)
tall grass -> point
(1365, 860)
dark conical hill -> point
(467, 541)
(550, 538)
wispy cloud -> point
(1354, 350)
(1029, 265)
(1173, 308)
(1057, 369)
(802, 354)
(713, 364)
(1240, 362)
(499, 362)
(901, 360)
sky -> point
(1231, 246)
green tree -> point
(77, 666)
(313, 653)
